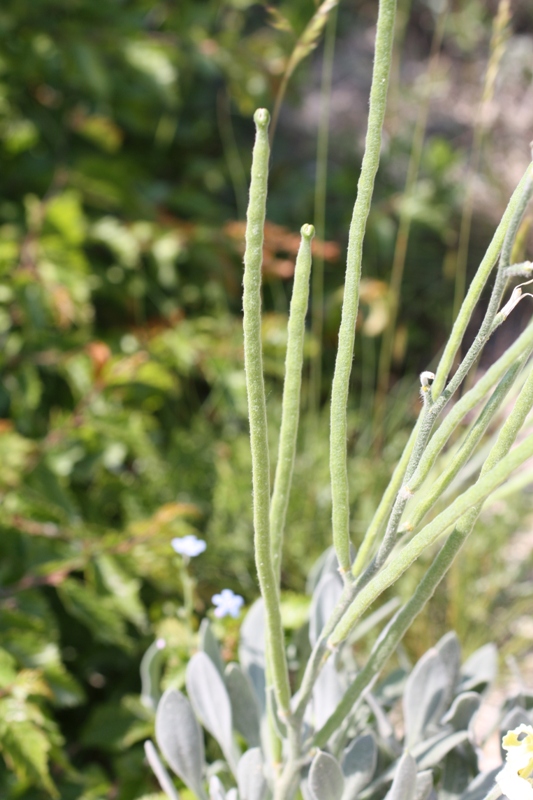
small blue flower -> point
(188, 546)
(227, 604)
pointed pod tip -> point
(262, 118)
(307, 231)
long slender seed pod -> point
(430, 534)
(291, 395)
(253, 362)
(400, 623)
(343, 364)
(476, 287)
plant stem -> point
(291, 395)
(397, 627)
(317, 307)
(476, 287)
(343, 364)
(430, 534)
(253, 362)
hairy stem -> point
(291, 395)
(253, 362)
(343, 364)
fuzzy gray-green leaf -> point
(425, 696)
(209, 644)
(358, 765)
(480, 669)
(243, 704)
(326, 781)
(404, 783)
(324, 600)
(180, 738)
(210, 700)
(462, 710)
(251, 777)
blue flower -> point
(227, 603)
(188, 546)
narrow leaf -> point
(404, 783)
(180, 739)
(210, 700)
(324, 600)
(480, 669)
(209, 644)
(425, 696)
(164, 779)
(244, 706)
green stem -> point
(397, 627)
(317, 308)
(343, 364)
(253, 362)
(476, 287)
(291, 395)
(428, 535)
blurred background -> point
(125, 148)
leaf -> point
(326, 781)
(435, 752)
(424, 785)
(425, 696)
(124, 589)
(158, 768)
(244, 706)
(251, 777)
(481, 785)
(151, 667)
(404, 782)
(325, 598)
(209, 644)
(211, 703)
(252, 651)
(462, 710)
(328, 691)
(180, 740)
(480, 669)
(358, 765)
(449, 648)
(95, 611)
(25, 746)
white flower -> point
(188, 546)
(516, 778)
(227, 603)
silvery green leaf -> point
(404, 782)
(232, 794)
(481, 785)
(252, 651)
(325, 564)
(435, 751)
(216, 790)
(209, 644)
(326, 781)
(425, 695)
(280, 727)
(250, 776)
(324, 600)
(327, 693)
(164, 779)
(358, 765)
(180, 739)
(456, 775)
(480, 669)
(424, 785)
(462, 710)
(151, 665)
(244, 706)
(209, 698)
(449, 648)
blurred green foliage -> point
(124, 148)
